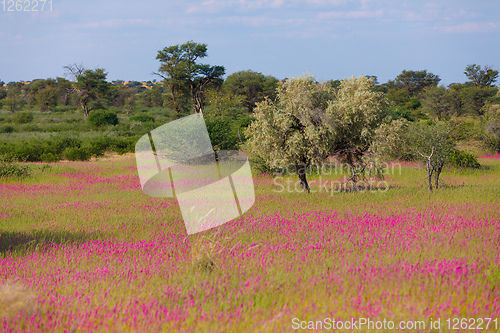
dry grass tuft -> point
(15, 298)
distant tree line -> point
(185, 86)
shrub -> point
(143, 118)
(100, 117)
(221, 134)
(98, 146)
(49, 157)
(77, 154)
(124, 145)
(6, 129)
(65, 108)
(463, 159)
(9, 168)
(29, 151)
(23, 117)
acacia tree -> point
(90, 86)
(352, 118)
(292, 130)
(481, 77)
(183, 75)
(414, 82)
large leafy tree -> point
(253, 86)
(353, 117)
(291, 132)
(90, 86)
(184, 75)
(481, 77)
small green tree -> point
(292, 130)
(14, 100)
(436, 102)
(432, 145)
(391, 141)
(491, 125)
(222, 104)
(221, 135)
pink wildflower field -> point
(82, 249)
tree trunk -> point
(437, 172)
(85, 109)
(429, 174)
(301, 172)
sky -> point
(331, 39)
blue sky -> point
(331, 39)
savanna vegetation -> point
(400, 224)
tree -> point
(43, 94)
(14, 100)
(221, 135)
(431, 144)
(253, 86)
(223, 104)
(183, 75)
(352, 117)
(467, 98)
(90, 87)
(391, 140)
(292, 130)
(152, 97)
(414, 82)
(481, 77)
(436, 102)
(475, 98)
(491, 123)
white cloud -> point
(257, 21)
(215, 6)
(354, 14)
(329, 2)
(115, 23)
(470, 27)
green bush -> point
(143, 118)
(221, 134)
(77, 154)
(23, 117)
(98, 146)
(100, 117)
(10, 169)
(124, 145)
(6, 129)
(463, 159)
(50, 158)
(65, 108)
(29, 151)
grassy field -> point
(82, 249)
